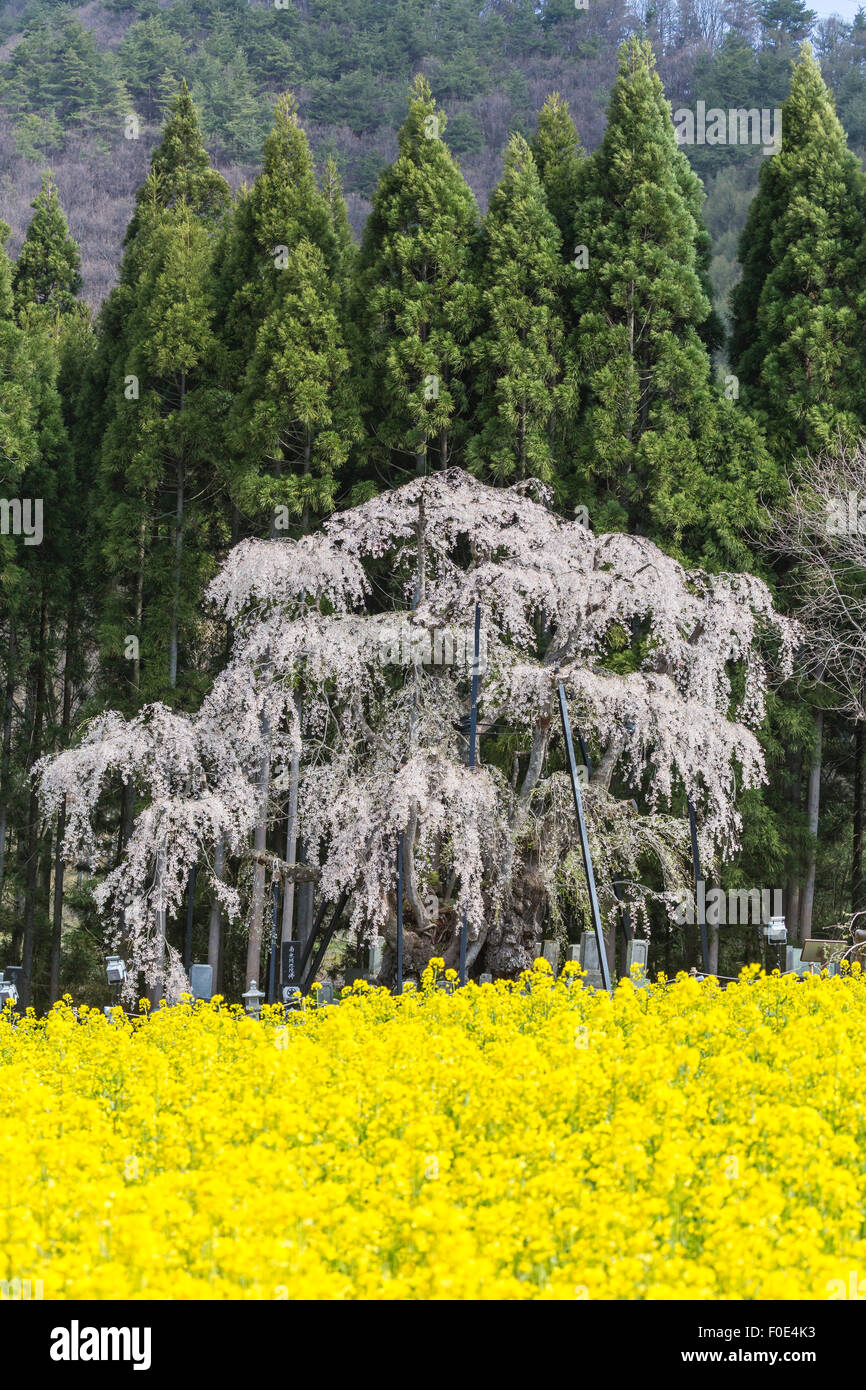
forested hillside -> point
(71, 77)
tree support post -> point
(473, 735)
(700, 890)
(327, 935)
(272, 968)
(190, 899)
(399, 988)
(587, 761)
(584, 841)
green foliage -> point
(180, 166)
(729, 193)
(48, 269)
(162, 445)
(282, 290)
(842, 54)
(465, 135)
(294, 411)
(284, 206)
(414, 305)
(149, 54)
(18, 442)
(332, 188)
(558, 154)
(58, 74)
(797, 340)
(160, 514)
(654, 431)
(35, 137)
(365, 173)
(355, 99)
(518, 352)
(235, 117)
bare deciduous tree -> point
(823, 534)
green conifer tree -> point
(798, 341)
(518, 351)
(48, 270)
(16, 418)
(656, 437)
(797, 346)
(18, 451)
(159, 496)
(414, 302)
(558, 156)
(159, 463)
(181, 167)
(39, 595)
(282, 291)
(284, 207)
(332, 188)
(295, 415)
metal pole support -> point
(584, 841)
(272, 969)
(700, 890)
(473, 736)
(190, 900)
(400, 913)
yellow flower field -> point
(511, 1142)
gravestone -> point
(15, 974)
(590, 961)
(485, 979)
(325, 995)
(550, 953)
(636, 955)
(292, 997)
(793, 960)
(201, 981)
(374, 956)
(572, 954)
(290, 963)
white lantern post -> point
(253, 1001)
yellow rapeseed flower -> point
(530, 1140)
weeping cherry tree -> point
(350, 672)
